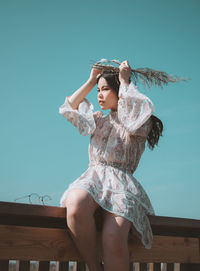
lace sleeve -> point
(82, 118)
(134, 110)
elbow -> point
(72, 104)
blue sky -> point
(46, 51)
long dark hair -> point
(112, 79)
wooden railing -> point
(39, 233)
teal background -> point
(46, 51)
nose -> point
(100, 95)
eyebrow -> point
(103, 87)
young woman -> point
(116, 145)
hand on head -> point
(124, 73)
(94, 74)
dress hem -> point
(100, 204)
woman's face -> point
(107, 97)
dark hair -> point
(112, 79)
(155, 133)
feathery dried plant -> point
(148, 77)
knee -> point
(76, 206)
(73, 206)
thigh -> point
(80, 200)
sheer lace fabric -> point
(117, 142)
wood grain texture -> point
(20, 214)
(44, 244)
(166, 249)
(40, 244)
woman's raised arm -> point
(77, 97)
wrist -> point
(92, 81)
(124, 82)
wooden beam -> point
(20, 214)
(166, 249)
(44, 244)
(40, 244)
(173, 226)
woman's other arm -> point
(124, 73)
(77, 97)
(134, 108)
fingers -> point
(125, 65)
(124, 72)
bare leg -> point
(80, 220)
(115, 243)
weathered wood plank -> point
(32, 215)
(24, 266)
(27, 243)
(131, 267)
(44, 266)
(156, 267)
(143, 267)
(170, 267)
(55, 217)
(189, 267)
(79, 266)
(174, 226)
(63, 266)
(166, 249)
(4, 265)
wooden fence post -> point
(43, 266)
(63, 266)
(4, 265)
(143, 267)
(189, 267)
(24, 266)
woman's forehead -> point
(102, 82)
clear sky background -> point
(46, 51)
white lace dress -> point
(117, 142)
